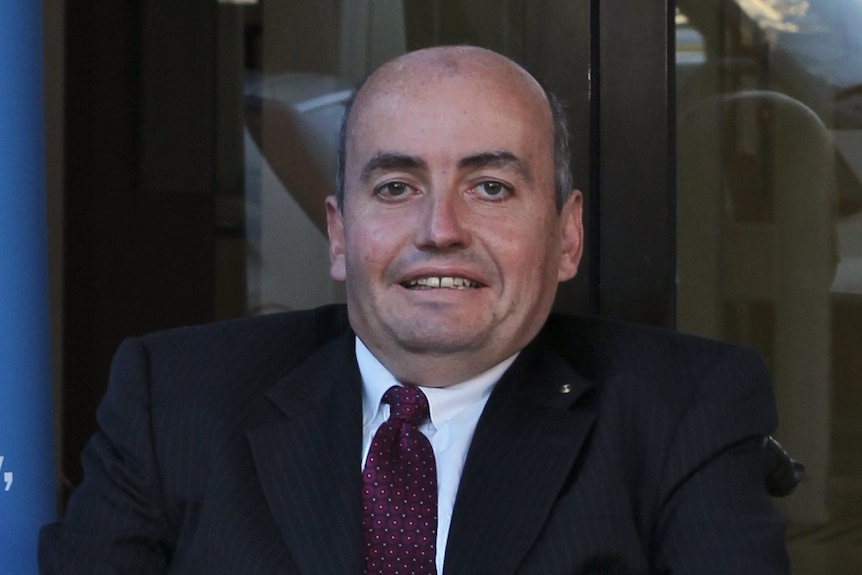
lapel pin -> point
(565, 388)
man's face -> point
(449, 240)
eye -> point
(392, 190)
(493, 190)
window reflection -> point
(769, 205)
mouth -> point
(441, 282)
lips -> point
(441, 282)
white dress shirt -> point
(455, 410)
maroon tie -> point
(399, 495)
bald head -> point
(429, 66)
(498, 76)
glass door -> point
(769, 223)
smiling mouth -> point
(441, 282)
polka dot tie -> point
(399, 495)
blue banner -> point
(27, 498)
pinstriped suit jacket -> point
(235, 449)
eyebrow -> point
(391, 161)
(497, 159)
(494, 159)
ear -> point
(572, 236)
(335, 230)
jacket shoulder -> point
(227, 360)
(291, 333)
(600, 347)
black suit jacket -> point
(605, 448)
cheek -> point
(369, 250)
(530, 262)
(524, 239)
(388, 232)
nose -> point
(442, 226)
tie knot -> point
(407, 403)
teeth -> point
(446, 282)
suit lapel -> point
(308, 460)
(525, 445)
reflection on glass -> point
(769, 205)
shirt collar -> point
(443, 402)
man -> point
(560, 445)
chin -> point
(440, 341)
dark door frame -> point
(635, 155)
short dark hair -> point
(563, 183)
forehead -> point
(464, 102)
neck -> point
(434, 370)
